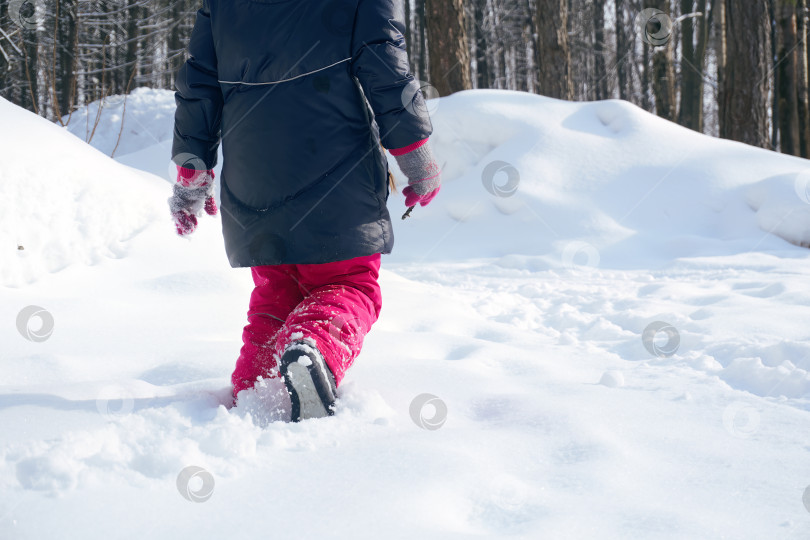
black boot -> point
(309, 382)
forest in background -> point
(736, 69)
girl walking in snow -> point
(301, 94)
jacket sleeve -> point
(198, 95)
(380, 63)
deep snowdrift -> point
(522, 298)
(63, 201)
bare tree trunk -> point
(4, 62)
(646, 78)
(133, 19)
(582, 44)
(720, 54)
(423, 49)
(693, 56)
(524, 35)
(67, 35)
(175, 59)
(501, 81)
(663, 70)
(744, 103)
(663, 85)
(447, 39)
(408, 25)
(804, 83)
(529, 41)
(600, 66)
(30, 47)
(622, 50)
(552, 56)
(482, 73)
(786, 73)
(775, 78)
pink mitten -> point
(193, 192)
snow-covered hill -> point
(610, 308)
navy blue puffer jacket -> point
(300, 93)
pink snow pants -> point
(334, 304)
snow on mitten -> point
(424, 176)
(193, 192)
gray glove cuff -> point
(189, 199)
(421, 169)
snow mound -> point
(602, 184)
(782, 203)
(69, 203)
(147, 114)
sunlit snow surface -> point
(509, 388)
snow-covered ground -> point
(599, 329)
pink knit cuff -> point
(406, 149)
(187, 177)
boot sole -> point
(310, 395)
